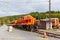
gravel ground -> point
(17, 34)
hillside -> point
(37, 15)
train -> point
(28, 22)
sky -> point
(18, 7)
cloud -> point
(2, 13)
(14, 7)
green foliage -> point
(37, 15)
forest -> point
(37, 15)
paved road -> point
(17, 34)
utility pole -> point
(49, 13)
(49, 7)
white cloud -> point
(9, 13)
(12, 7)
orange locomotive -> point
(27, 22)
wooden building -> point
(44, 23)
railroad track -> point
(50, 34)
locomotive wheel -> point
(28, 27)
(32, 29)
